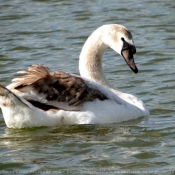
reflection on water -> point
(52, 33)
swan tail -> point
(14, 108)
(9, 100)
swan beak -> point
(129, 58)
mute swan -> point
(44, 98)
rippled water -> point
(52, 33)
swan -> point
(40, 97)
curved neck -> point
(90, 63)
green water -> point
(52, 33)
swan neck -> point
(90, 64)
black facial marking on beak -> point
(128, 52)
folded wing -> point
(45, 89)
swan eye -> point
(122, 39)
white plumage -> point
(44, 98)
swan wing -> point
(45, 89)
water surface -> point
(52, 33)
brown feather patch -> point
(1, 94)
(57, 86)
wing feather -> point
(54, 88)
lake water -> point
(52, 33)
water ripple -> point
(47, 32)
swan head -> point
(120, 40)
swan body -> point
(41, 97)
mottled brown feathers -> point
(57, 86)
